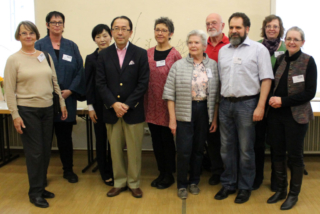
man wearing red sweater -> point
(216, 40)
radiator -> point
(311, 142)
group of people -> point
(231, 92)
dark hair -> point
(245, 18)
(122, 17)
(270, 19)
(55, 14)
(167, 22)
(29, 26)
(99, 29)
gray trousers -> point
(37, 141)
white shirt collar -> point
(123, 48)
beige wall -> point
(83, 15)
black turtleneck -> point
(310, 83)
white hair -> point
(199, 33)
(295, 28)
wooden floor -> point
(89, 194)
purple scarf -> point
(271, 44)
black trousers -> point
(259, 147)
(191, 138)
(37, 141)
(103, 159)
(285, 134)
(163, 147)
(214, 146)
(63, 131)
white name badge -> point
(209, 73)
(41, 57)
(297, 79)
(67, 57)
(237, 60)
(278, 53)
(161, 63)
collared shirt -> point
(199, 82)
(121, 53)
(213, 51)
(242, 68)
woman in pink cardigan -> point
(161, 58)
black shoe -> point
(47, 194)
(243, 196)
(39, 202)
(166, 182)
(109, 183)
(289, 202)
(277, 197)
(223, 193)
(156, 181)
(71, 177)
(214, 179)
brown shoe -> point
(137, 193)
(116, 191)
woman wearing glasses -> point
(29, 82)
(289, 113)
(69, 66)
(272, 31)
(101, 35)
(161, 58)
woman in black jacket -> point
(101, 35)
(295, 84)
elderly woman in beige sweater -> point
(29, 83)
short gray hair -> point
(199, 33)
(295, 28)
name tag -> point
(67, 57)
(209, 73)
(41, 57)
(237, 60)
(278, 53)
(161, 63)
(297, 79)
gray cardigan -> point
(179, 85)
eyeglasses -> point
(120, 29)
(162, 31)
(292, 40)
(272, 26)
(211, 23)
(25, 34)
(56, 23)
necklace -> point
(29, 53)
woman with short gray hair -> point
(289, 113)
(192, 91)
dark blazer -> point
(70, 74)
(90, 71)
(127, 84)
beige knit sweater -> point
(28, 82)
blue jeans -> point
(237, 131)
(191, 137)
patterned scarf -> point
(271, 44)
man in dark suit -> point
(122, 80)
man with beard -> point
(216, 41)
(245, 71)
